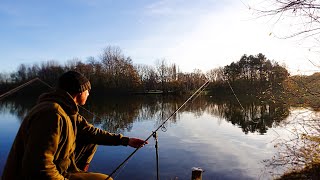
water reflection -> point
(254, 117)
(217, 135)
(17, 107)
(117, 114)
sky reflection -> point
(222, 149)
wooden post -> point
(196, 174)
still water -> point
(220, 137)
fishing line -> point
(239, 102)
(120, 170)
(235, 95)
(200, 89)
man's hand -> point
(136, 143)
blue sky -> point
(203, 35)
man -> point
(54, 141)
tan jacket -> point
(44, 145)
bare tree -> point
(303, 15)
(162, 71)
(119, 70)
(298, 150)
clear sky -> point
(203, 34)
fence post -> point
(196, 173)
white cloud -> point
(217, 39)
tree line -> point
(251, 75)
(113, 72)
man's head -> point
(76, 84)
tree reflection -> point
(118, 113)
(251, 116)
(18, 105)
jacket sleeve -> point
(90, 134)
(42, 143)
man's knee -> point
(84, 155)
(88, 176)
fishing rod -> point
(199, 90)
(18, 88)
(2, 96)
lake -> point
(219, 136)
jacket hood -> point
(63, 98)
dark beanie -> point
(73, 82)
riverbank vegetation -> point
(253, 76)
(299, 154)
(113, 72)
